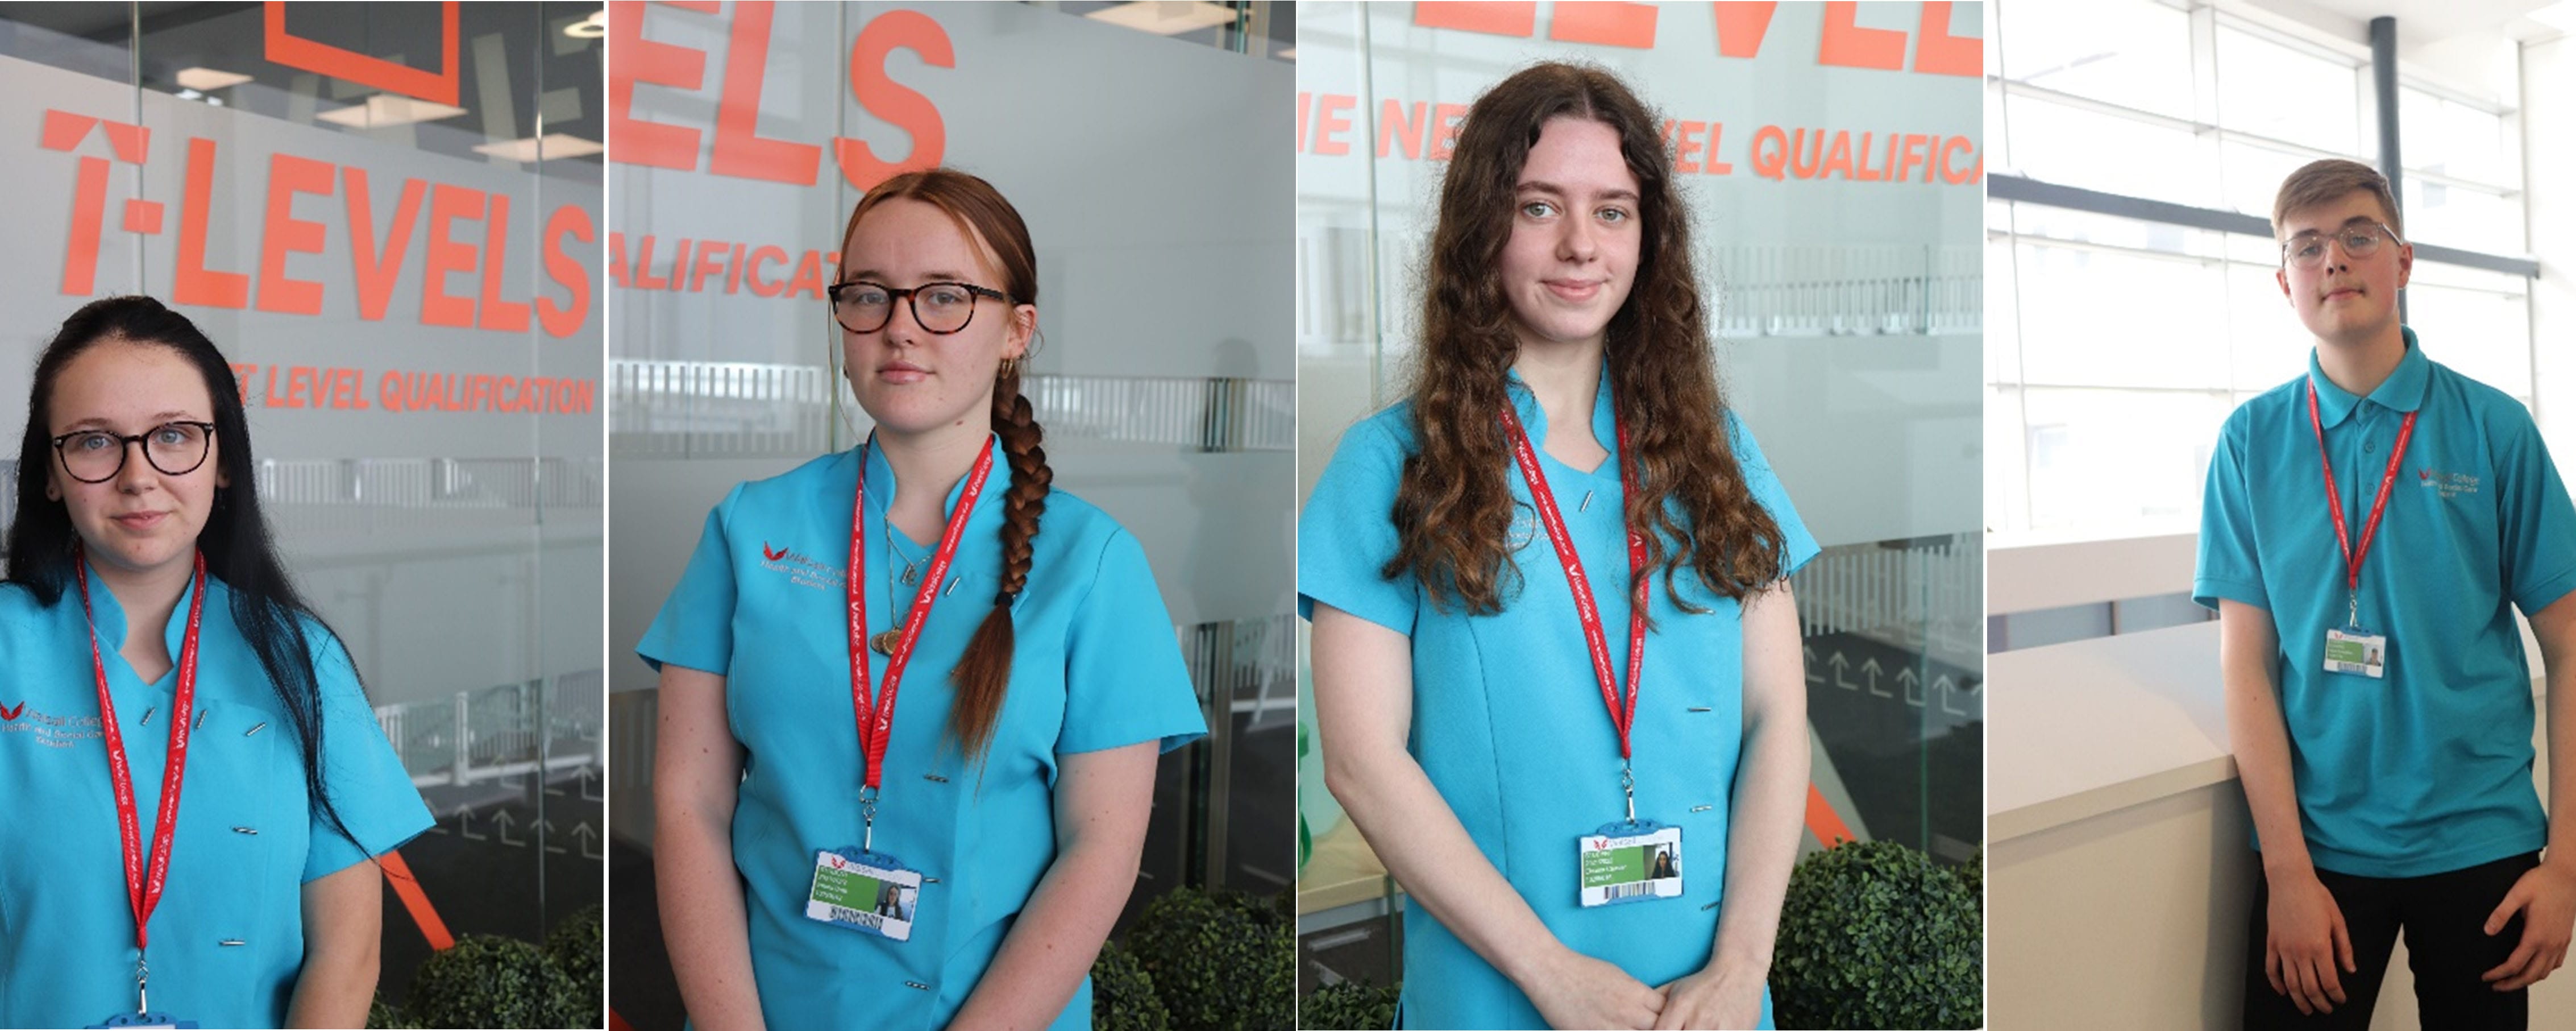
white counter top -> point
(2080, 729)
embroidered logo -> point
(2448, 485)
(801, 569)
(47, 729)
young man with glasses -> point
(2366, 533)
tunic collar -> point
(1605, 424)
(987, 516)
(2402, 391)
(109, 616)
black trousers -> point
(2444, 916)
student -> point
(2367, 531)
(143, 593)
(1564, 450)
(1008, 661)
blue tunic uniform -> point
(228, 937)
(2428, 770)
(1508, 719)
(762, 603)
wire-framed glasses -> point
(943, 308)
(2359, 241)
(174, 448)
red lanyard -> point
(143, 889)
(2352, 556)
(1621, 716)
(876, 720)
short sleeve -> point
(2227, 566)
(366, 781)
(1124, 681)
(1346, 534)
(694, 630)
(2538, 520)
(1796, 544)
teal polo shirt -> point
(2430, 769)
(228, 936)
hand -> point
(1573, 990)
(1718, 996)
(2546, 897)
(2306, 943)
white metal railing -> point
(1926, 593)
(505, 730)
(682, 409)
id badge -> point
(2354, 650)
(1630, 862)
(145, 1020)
(864, 891)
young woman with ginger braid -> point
(1461, 696)
(948, 684)
(144, 594)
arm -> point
(344, 915)
(2306, 937)
(2547, 894)
(697, 776)
(1363, 714)
(1103, 801)
(1765, 823)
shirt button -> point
(2370, 447)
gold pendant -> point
(884, 642)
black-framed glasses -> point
(942, 308)
(2308, 250)
(174, 448)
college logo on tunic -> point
(800, 568)
(45, 728)
(1524, 525)
(2449, 485)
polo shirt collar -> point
(2402, 391)
(1605, 424)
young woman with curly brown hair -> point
(903, 775)
(1512, 735)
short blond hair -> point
(2330, 180)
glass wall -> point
(1140, 143)
(1835, 192)
(388, 217)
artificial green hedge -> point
(1877, 935)
(1222, 962)
(1350, 1005)
(488, 981)
(1122, 994)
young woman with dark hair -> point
(859, 689)
(1485, 722)
(143, 599)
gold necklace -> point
(883, 643)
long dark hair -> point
(42, 543)
(983, 674)
(1453, 506)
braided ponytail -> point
(983, 675)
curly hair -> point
(983, 674)
(1453, 505)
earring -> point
(1010, 368)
